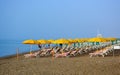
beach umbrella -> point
(42, 41)
(62, 41)
(30, 42)
(85, 40)
(80, 40)
(72, 41)
(97, 40)
(51, 41)
(112, 39)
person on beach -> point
(60, 45)
(39, 46)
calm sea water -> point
(9, 47)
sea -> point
(11, 47)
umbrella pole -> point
(17, 53)
(79, 45)
(113, 53)
(30, 49)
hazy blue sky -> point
(52, 19)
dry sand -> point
(81, 65)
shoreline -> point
(15, 55)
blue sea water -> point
(9, 47)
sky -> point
(53, 19)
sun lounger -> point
(62, 55)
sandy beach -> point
(79, 65)
(59, 37)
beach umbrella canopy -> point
(85, 39)
(80, 40)
(42, 41)
(51, 41)
(72, 40)
(97, 39)
(30, 41)
(111, 39)
(61, 41)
